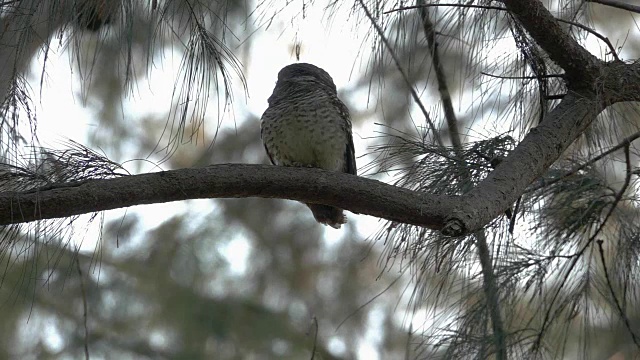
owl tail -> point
(328, 215)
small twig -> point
(368, 301)
(396, 60)
(627, 181)
(615, 298)
(624, 143)
(594, 33)
(617, 4)
(613, 3)
(314, 322)
(441, 78)
(407, 352)
(491, 293)
(524, 77)
(514, 215)
(469, 6)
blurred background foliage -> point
(258, 278)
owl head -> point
(303, 73)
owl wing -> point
(269, 155)
(350, 157)
(349, 154)
(263, 143)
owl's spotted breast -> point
(306, 131)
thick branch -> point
(580, 66)
(531, 158)
(350, 192)
(617, 82)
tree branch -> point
(580, 66)
(593, 85)
(398, 63)
(443, 89)
(624, 143)
(468, 6)
(529, 160)
(617, 4)
(350, 192)
(604, 39)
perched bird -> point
(306, 125)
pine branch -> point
(484, 254)
(580, 65)
(543, 145)
(350, 192)
(396, 59)
(617, 4)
